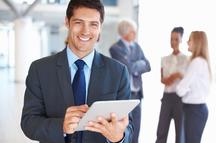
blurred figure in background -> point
(173, 67)
(194, 88)
(127, 51)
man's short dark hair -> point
(93, 4)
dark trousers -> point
(195, 118)
(136, 115)
(171, 108)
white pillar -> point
(44, 42)
(27, 47)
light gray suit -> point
(49, 93)
(137, 64)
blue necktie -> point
(79, 90)
(79, 85)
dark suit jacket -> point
(49, 93)
(134, 59)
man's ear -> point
(66, 22)
(98, 38)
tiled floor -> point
(11, 102)
(11, 99)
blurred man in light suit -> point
(128, 52)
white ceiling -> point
(51, 14)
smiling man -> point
(60, 88)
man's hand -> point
(113, 130)
(72, 117)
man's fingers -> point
(73, 120)
(113, 118)
(72, 117)
(95, 127)
(125, 120)
(82, 108)
(74, 114)
(103, 121)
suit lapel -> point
(95, 79)
(122, 47)
(64, 78)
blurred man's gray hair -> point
(125, 25)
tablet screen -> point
(104, 108)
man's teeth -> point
(84, 39)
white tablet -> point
(103, 108)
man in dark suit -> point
(50, 112)
(128, 52)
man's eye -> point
(77, 22)
(94, 24)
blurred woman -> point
(194, 88)
(172, 69)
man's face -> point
(84, 29)
(131, 35)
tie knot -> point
(80, 64)
(131, 46)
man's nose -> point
(85, 29)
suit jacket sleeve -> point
(141, 65)
(34, 121)
(117, 54)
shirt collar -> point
(126, 43)
(87, 59)
(179, 54)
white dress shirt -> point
(195, 85)
(171, 64)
